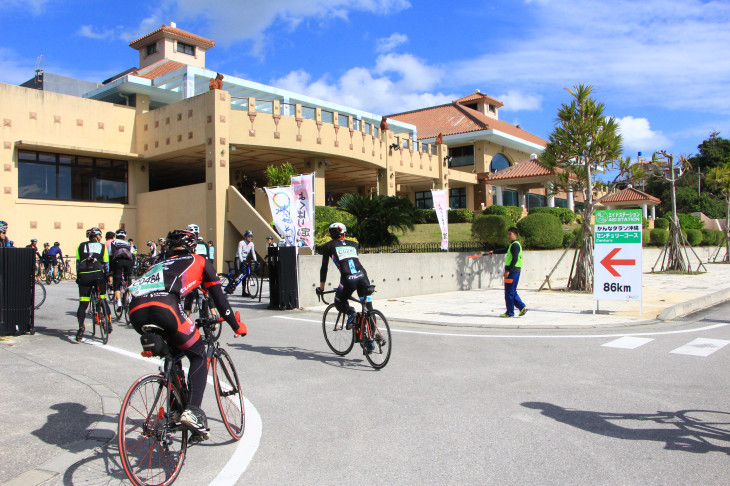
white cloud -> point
(35, 6)
(387, 44)
(13, 68)
(88, 31)
(637, 135)
(517, 101)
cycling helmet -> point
(46, 244)
(55, 243)
(192, 227)
(90, 233)
(248, 233)
(121, 233)
(269, 237)
(33, 240)
(3, 226)
(161, 239)
(210, 243)
(149, 243)
(182, 237)
(337, 230)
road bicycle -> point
(49, 274)
(204, 306)
(39, 294)
(39, 273)
(126, 299)
(65, 271)
(247, 278)
(370, 329)
(152, 441)
(99, 316)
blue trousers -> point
(510, 293)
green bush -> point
(694, 237)
(512, 212)
(429, 216)
(708, 237)
(645, 239)
(565, 215)
(658, 236)
(688, 222)
(461, 215)
(644, 223)
(324, 216)
(661, 223)
(569, 236)
(541, 230)
(491, 229)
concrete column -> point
(522, 200)
(320, 195)
(550, 197)
(143, 104)
(643, 211)
(217, 171)
(571, 205)
(500, 197)
(653, 213)
(443, 180)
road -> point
(453, 406)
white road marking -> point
(627, 342)
(547, 336)
(701, 347)
(247, 446)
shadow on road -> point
(697, 431)
(290, 351)
(67, 424)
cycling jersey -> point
(344, 255)
(91, 256)
(55, 253)
(245, 250)
(202, 249)
(153, 250)
(120, 250)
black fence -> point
(17, 284)
(433, 247)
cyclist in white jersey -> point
(245, 250)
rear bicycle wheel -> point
(152, 442)
(118, 311)
(40, 294)
(377, 330)
(339, 339)
(228, 394)
(102, 319)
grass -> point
(428, 233)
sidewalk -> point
(665, 297)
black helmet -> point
(337, 230)
(121, 233)
(92, 232)
(3, 226)
(33, 240)
(182, 237)
(55, 243)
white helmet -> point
(337, 229)
(194, 228)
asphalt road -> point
(453, 406)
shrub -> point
(491, 229)
(708, 237)
(512, 212)
(694, 237)
(279, 175)
(644, 223)
(645, 239)
(461, 215)
(661, 223)
(658, 236)
(569, 236)
(565, 215)
(688, 222)
(326, 215)
(429, 216)
(541, 230)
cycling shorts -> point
(164, 310)
(87, 279)
(121, 267)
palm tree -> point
(719, 177)
(376, 216)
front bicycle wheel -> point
(40, 294)
(102, 320)
(152, 442)
(339, 339)
(228, 394)
(377, 332)
(252, 285)
(206, 312)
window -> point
(472, 106)
(44, 175)
(510, 198)
(499, 162)
(492, 108)
(535, 201)
(461, 156)
(561, 203)
(457, 198)
(424, 200)
(151, 49)
(185, 48)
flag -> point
(303, 187)
(282, 203)
(441, 206)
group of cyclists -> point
(49, 257)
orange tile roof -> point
(202, 41)
(630, 194)
(479, 96)
(531, 168)
(158, 69)
(455, 118)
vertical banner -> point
(282, 204)
(441, 206)
(303, 187)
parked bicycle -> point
(247, 278)
(152, 441)
(65, 270)
(370, 329)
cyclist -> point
(245, 251)
(153, 248)
(108, 238)
(121, 263)
(45, 258)
(201, 248)
(162, 247)
(92, 263)
(156, 299)
(352, 274)
(211, 250)
(133, 246)
(4, 240)
(34, 245)
(56, 256)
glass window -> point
(185, 48)
(151, 49)
(424, 200)
(499, 162)
(461, 156)
(535, 201)
(457, 198)
(510, 197)
(561, 203)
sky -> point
(660, 67)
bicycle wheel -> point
(378, 330)
(102, 320)
(205, 313)
(228, 394)
(225, 282)
(40, 294)
(152, 443)
(252, 286)
(339, 339)
(118, 312)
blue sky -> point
(662, 67)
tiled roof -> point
(455, 118)
(158, 69)
(630, 194)
(531, 168)
(479, 96)
(208, 43)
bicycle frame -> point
(240, 278)
(365, 313)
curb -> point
(694, 305)
(103, 431)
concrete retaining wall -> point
(403, 274)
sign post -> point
(617, 256)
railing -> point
(433, 247)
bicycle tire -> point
(141, 431)
(339, 339)
(205, 314)
(40, 294)
(225, 281)
(126, 301)
(377, 329)
(252, 285)
(102, 319)
(228, 394)
(118, 312)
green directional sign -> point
(618, 226)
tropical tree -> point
(377, 215)
(585, 141)
(279, 175)
(719, 177)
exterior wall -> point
(174, 127)
(168, 209)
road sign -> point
(617, 255)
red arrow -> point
(609, 263)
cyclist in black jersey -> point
(352, 274)
(92, 263)
(121, 262)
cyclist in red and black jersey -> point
(156, 300)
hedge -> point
(460, 215)
(326, 215)
(688, 222)
(569, 236)
(658, 236)
(645, 239)
(565, 215)
(644, 223)
(491, 229)
(541, 231)
(661, 223)
(694, 237)
(512, 212)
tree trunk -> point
(727, 232)
(583, 278)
